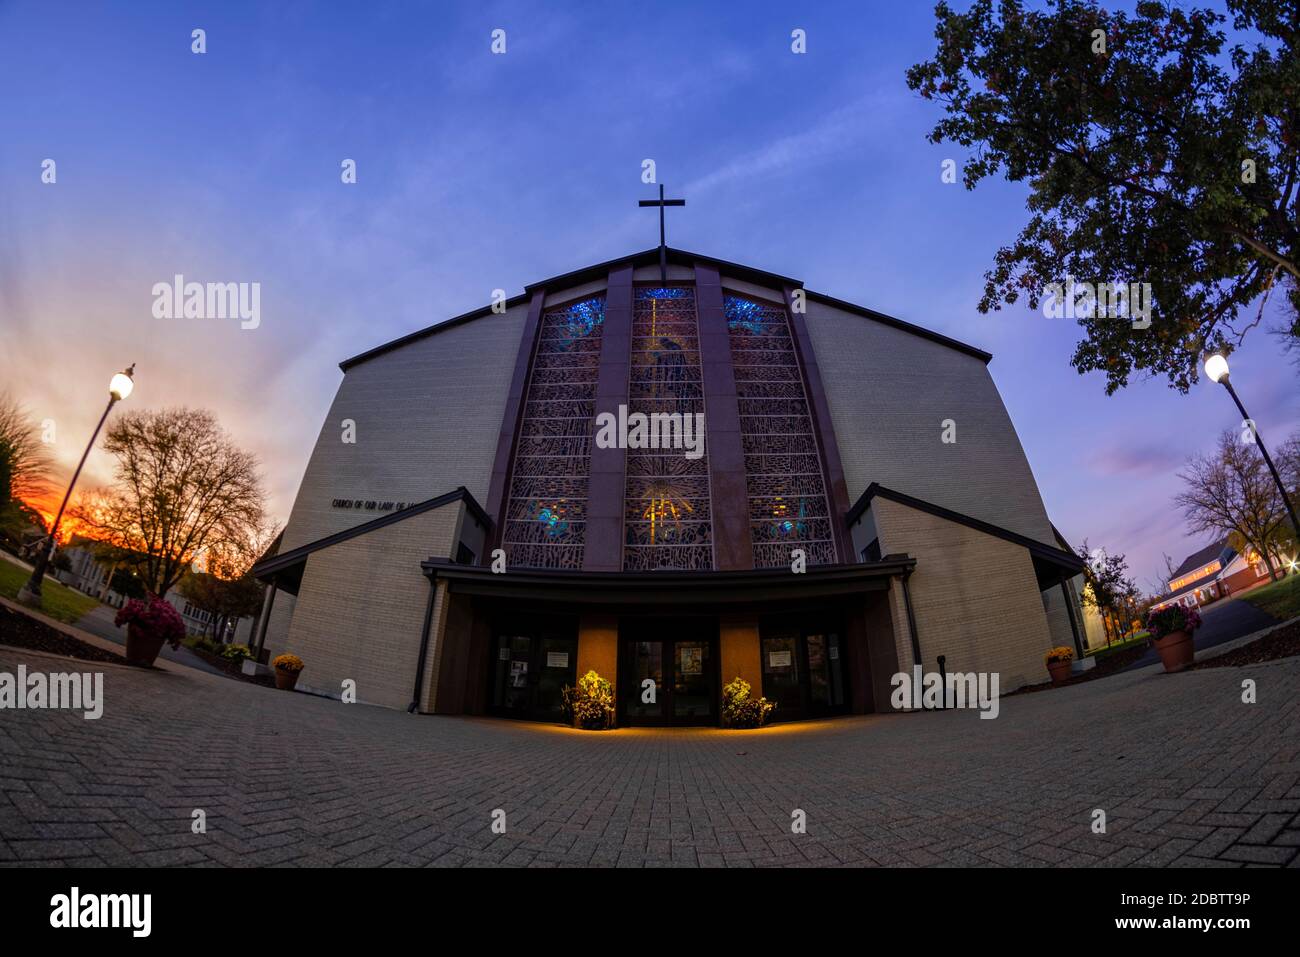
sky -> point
(478, 171)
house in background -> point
(1216, 571)
(89, 575)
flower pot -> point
(142, 647)
(285, 680)
(1176, 650)
(1059, 670)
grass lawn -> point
(57, 601)
(1115, 646)
(1279, 599)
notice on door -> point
(692, 661)
(778, 659)
(557, 659)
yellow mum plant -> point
(1059, 653)
(288, 663)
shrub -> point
(1059, 653)
(739, 710)
(591, 704)
(154, 617)
(204, 643)
(1173, 618)
(287, 663)
(236, 653)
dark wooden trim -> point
(511, 421)
(268, 570)
(733, 546)
(607, 469)
(1063, 559)
(837, 488)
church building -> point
(467, 540)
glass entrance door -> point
(803, 671)
(530, 667)
(642, 692)
(669, 672)
(692, 689)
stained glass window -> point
(546, 512)
(667, 519)
(787, 492)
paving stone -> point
(295, 780)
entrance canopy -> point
(669, 587)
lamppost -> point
(1216, 367)
(119, 387)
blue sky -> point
(478, 171)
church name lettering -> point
(368, 505)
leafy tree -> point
(1151, 156)
(226, 588)
(225, 600)
(20, 524)
(1231, 491)
(183, 490)
(24, 462)
(1110, 589)
(127, 584)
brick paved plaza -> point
(1187, 775)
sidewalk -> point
(97, 630)
(99, 622)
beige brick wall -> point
(360, 611)
(1058, 618)
(889, 391)
(427, 419)
(975, 598)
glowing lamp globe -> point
(1216, 367)
(121, 385)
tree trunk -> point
(1268, 563)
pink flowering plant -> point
(154, 617)
(1173, 618)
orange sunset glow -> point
(47, 506)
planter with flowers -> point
(1058, 663)
(1171, 630)
(287, 669)
(150, 623)
(591, 704)
(739, 710)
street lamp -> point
(1216, 367)
(119, 387)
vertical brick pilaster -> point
(837, 490)
(732, 542)
(604, 538)
(498, 490)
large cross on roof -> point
(663, 246)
